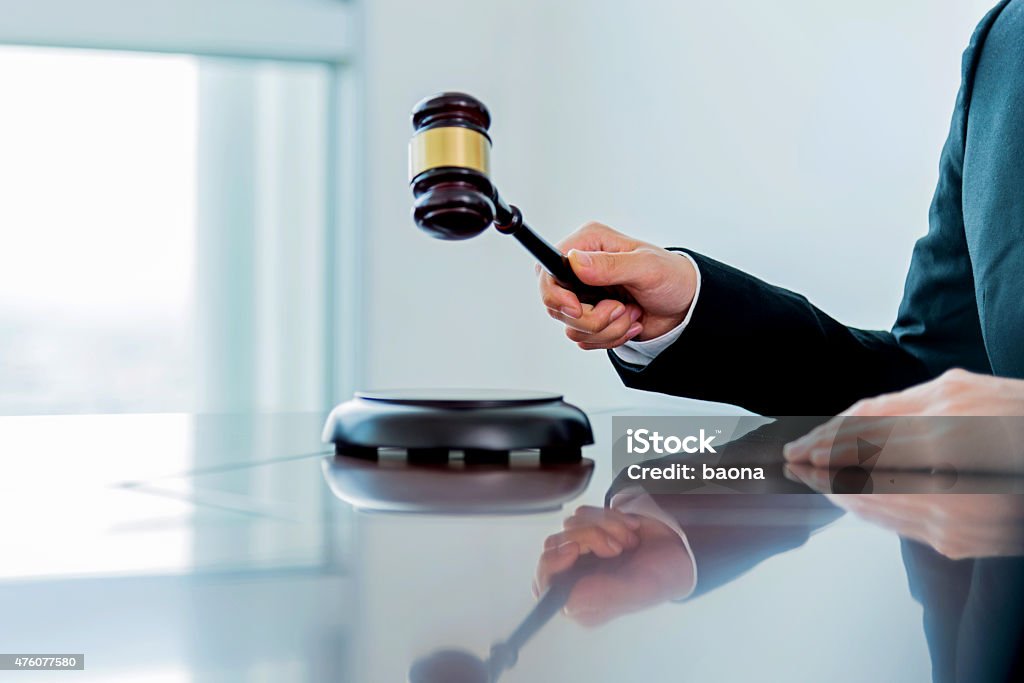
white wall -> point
(796, 139)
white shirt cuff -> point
(636, 501)
(643, 352)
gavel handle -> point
(505, 654)
(556, 262)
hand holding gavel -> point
(660, 285)
(609, 290)
(653, 564)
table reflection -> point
(963, 553)
(213, 549)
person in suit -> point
(957, 347)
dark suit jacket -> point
(963, 306)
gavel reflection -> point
(449, 171)
(460, 666)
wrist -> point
(655, 327)
(683, 290)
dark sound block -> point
(484, 425)
(455, 488)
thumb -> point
(611, 268)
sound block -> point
(480, 426)
(394, 484)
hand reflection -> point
(647, 564)
(956, 525)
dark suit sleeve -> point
(771, 351)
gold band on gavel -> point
(450, 146)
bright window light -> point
(97, 230)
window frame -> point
(314, 31)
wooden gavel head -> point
(449, 166)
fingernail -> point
(614, 545)
(566, 310)
(789, 451)
(566, 547)
(633, 523)
(819, 457)
(581, 257)
(617, 313)
(634, 330)
(635, 314)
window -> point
(163, 228)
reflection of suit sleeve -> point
(729, 534)
(773, 352)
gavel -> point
(460, 666)
(449, 171)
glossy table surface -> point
(211, 548)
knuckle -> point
(953, 380)
(954, 374)
(580, 234)
(594, 227)
(578, 331)
(859, 407)
(549, 296)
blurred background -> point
(204, 204)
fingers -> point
(603, 532)
(619, 527)
(584, 317)
(554, 560)
(621, 327)
(594, 539)
(593, 319)
(597, 599)
(803, 473)
(638, 267)
(606, 325)
(559, 299)
(594, 236)
(849, 439)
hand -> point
(654, 566)
(961, 421)
(661, 284)
(957, 525)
